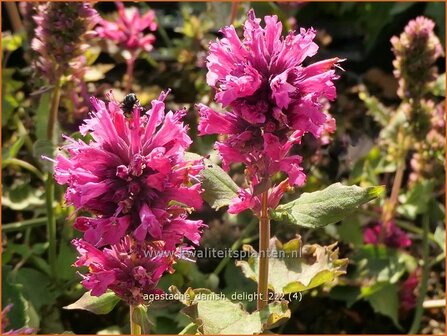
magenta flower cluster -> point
(407, 292)
(271, 97)
(130, 30)
(133, 177)
(393, 236)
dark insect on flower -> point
(129, 102)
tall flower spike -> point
(132, 175)
(273, 99)
(416, 50)
(59, 38)
(128, 31)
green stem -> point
(135, 329)
(164, 35)
(237, 244)
(24, 165)
(49, 185)
(52, 119)
(264, 240)
(415, 327)
(23, 225)
(234, 8)
(390, 205)
(51, 225)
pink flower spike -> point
(129, 30)
(132, 176)
(270, 97)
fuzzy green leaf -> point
(385, 301)
(101, 305)
(219, 188)
(214, 314)
(295, 268)
(376, 109)
(327, 206)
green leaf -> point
(91, 54)
(219, 188)
(11, 42)
(440, 237)
(380, 263)
(12, 293)
(98, 305)
(376, 109)
(112, 330)
(214, 314)
(190, 329)
(385, 301)
(236, 285)
(349, 294)
(13, 150)
(42, 114)
(350, 231)
(416, 200)
(327, 206)
(141, 317)
(439, 87)
(97, 72)
(296, 268)
(22, 196)
(39, 295)
(65, 260)
(45, 148)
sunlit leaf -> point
(380, 263)
(296, 268)
(11, 42)
(99, 305)
(439, 87)
(327, 206)
(97, 72)
(22, 196)
(219, 188)
(213, 314)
